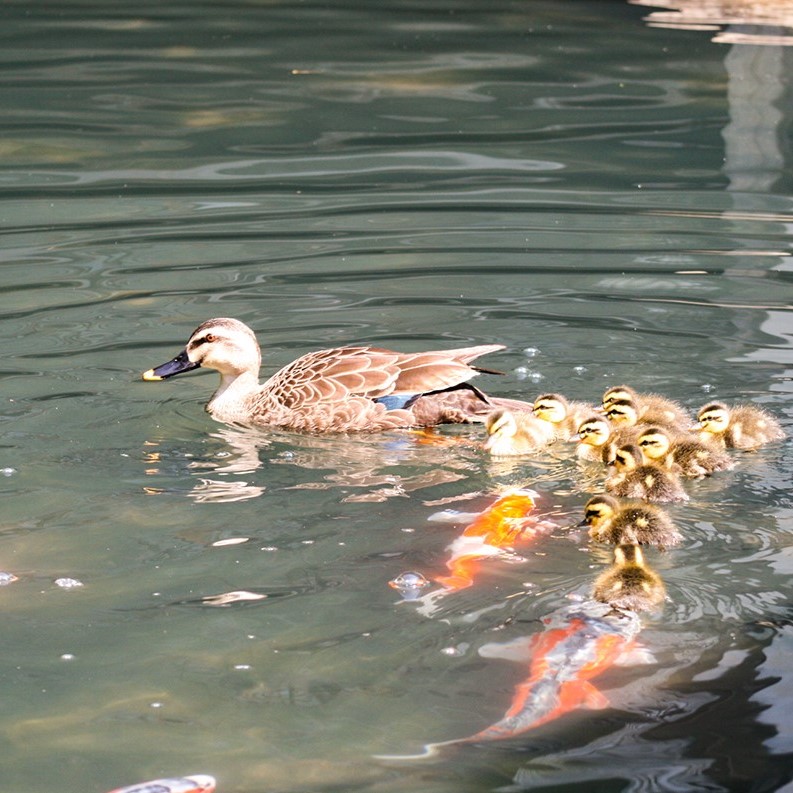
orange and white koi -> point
(579, 644)
(198, 783)
(489, 534)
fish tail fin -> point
(591, 697)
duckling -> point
(565, 416)
(362, 388)
(626, 413)
(647, 481)
(513, 433)
(739, 427)
(651, 408)
(598, 440)
(629, 585)
(636, 524)
(684, 455)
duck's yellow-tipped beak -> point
(168, 369)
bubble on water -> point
(580, 369)
(708, 387)
(408, 580)
(409, 584)
(67, 657)
(457, 651)
(531, 352)
(68, 583)
(8, 471)
(7, 578)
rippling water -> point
(416, 176)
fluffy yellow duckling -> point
(563, 415)
(635, 478)
(598, 440)
(685, 455)
(650, 408)
(635, 524)
(629, 584)
(739, 427)
(514, 433)
(626, 413)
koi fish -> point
(579, 644)
(489, 534)
(198, 783)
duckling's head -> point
(618, 393)
(501, 424)
(628, 457)
(714, 418)
(551, 407)
(654, 443)
(224, 344)
(623, 413)
(594, 431)
(599, 509)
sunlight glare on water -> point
(184, 597)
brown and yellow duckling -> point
(684, 454)
(739, 427)
(626, 413)
(614, 523)
(650, 408)
(598, 439)
(511, 433)
(565, 416)
(634, 478)
(629, 584)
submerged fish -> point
(198, 783)
(490, 533)
(580, 643)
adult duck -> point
(336, 390)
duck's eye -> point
(210, 337)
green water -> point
(610, 200)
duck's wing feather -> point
(422, 372)
(337, 374)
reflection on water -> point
(757, 22)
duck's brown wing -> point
(338, 374)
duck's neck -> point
(227, 401)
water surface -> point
(416, 176)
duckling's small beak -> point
(175, 366)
